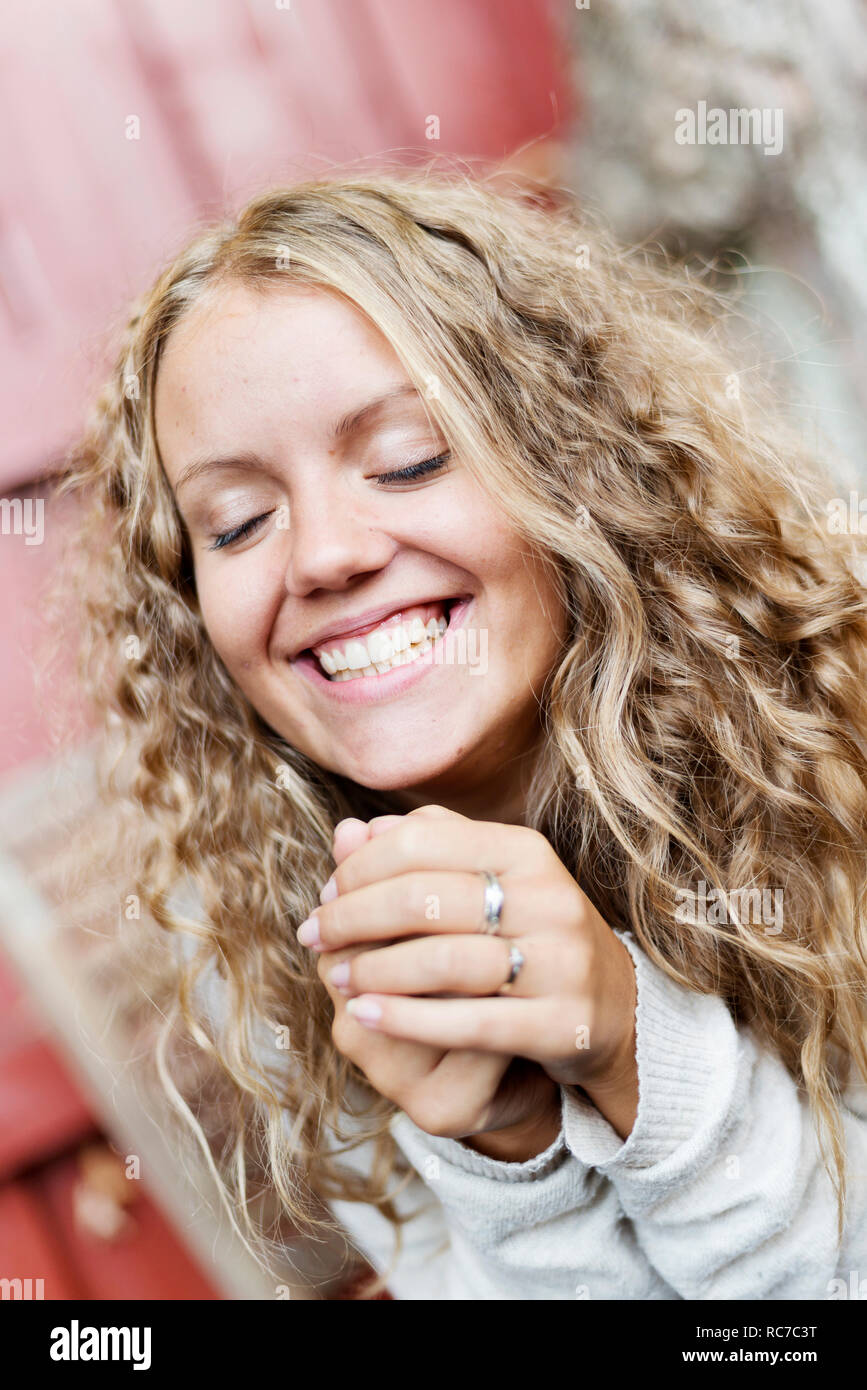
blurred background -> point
(124, 123)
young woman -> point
(494, 678)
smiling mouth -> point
(397, 640)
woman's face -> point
(289, 415)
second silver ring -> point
(516, 961)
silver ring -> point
(516, 960)
(494, 899)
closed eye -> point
(414, 470)
(400, 475)
(238, 532)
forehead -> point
(241, 362)
(234, 323)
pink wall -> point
(229, 95)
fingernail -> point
(329, 891)
(365, 1010)
(340, 974)
(308, 932)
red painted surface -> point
(41, 1110)
(40, 1239)
(148, 1263)
(29, 1248)
(43, 1122)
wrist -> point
(613, 1088)
(615, 1095)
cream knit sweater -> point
(719, 1192)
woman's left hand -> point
(420, 881)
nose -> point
(331, 544)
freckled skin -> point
(269, 374)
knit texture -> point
(719, 1192)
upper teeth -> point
(382, 648)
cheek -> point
(237, 615)
(522, 606)
(529, 612)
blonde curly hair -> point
(706, 717)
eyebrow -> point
(351, 423)
(348, 424)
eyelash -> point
(401, 475)
(415, 470)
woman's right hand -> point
(457, 1094)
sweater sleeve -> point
(543, 1229)
(722, 1176)
(546, 1228)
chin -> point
(403, 777)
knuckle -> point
(413, 835)
(410, 896)
(442, 959)
(344, 878)
(474, 1034)
(583, 954)
(537, 844)
(573, 969)
(430, 1115)
(333, 922)
(444, 1115)
(390, 1080)
(406, 896)
(395, 1090)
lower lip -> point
(365, 690)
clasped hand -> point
(414, 979)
